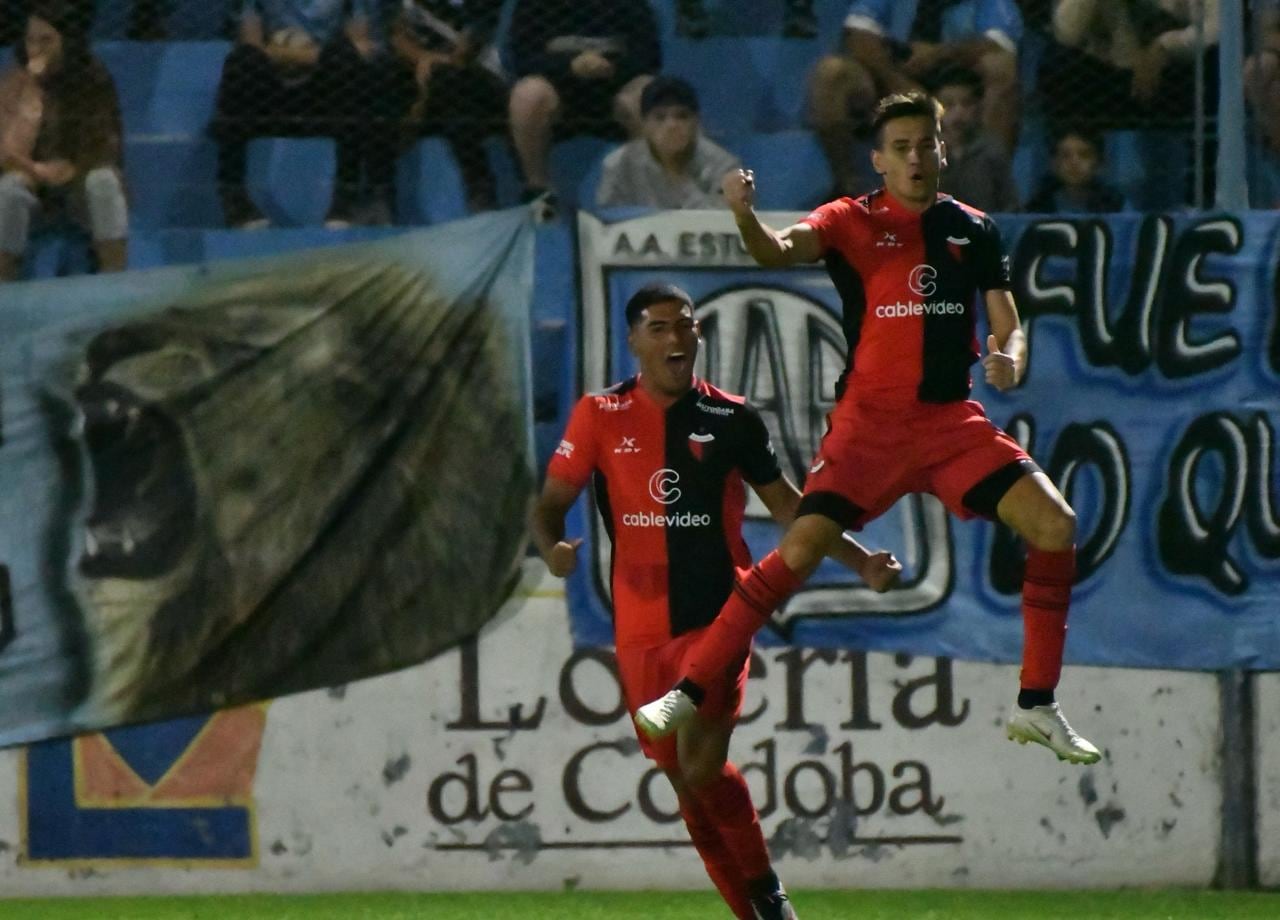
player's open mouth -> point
(142, 519)
(677, 360)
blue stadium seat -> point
(572, 161)
(784, 66)
(291, 178)
(57, 251)
(1151, 167)
(506, 174)
(793, 173)
(731, 91)
(171, 183)
(185, 88)
(429, 185)
(133, 67)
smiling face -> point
(665, 342)
(910, 156)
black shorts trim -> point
(983, 498)
(834, 506)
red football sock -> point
(754, 598)
(720, 863)
(728, 801)
(1046, 595)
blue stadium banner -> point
(227, 483)
(1151, 398)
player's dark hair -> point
(656, 292)
(914, 104)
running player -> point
(670, 454)
(909, 264)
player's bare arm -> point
(1006, 357)
(879, 570)
(771, 248)
(546, 525)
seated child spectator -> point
(673, 165)
(1074, 185)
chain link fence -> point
(255, 113)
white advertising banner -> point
(510, 763)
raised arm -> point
(879, 569)
(771, 248)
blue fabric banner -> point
(1151, 399)
(232, 482)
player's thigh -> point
(971, 462)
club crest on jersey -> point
(955, 246)
(698, 442)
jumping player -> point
(909, 264)
(670, 454)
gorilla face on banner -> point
(284, 482)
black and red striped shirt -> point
(669, 486)
(908, 282)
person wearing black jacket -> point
(1074, 185)
(580, 66)
(455, 81)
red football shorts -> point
(874, 454)
(648, 673)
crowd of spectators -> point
(376, 77)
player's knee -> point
(1056, 531)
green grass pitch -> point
(595, 905)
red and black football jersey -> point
(669, 486)
(908, 282)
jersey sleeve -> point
(575, 458)
(757, 461)
(993, 261)
(833, 221)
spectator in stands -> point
(898, 47)
(674, 165)
(308, 67)
(581, 67)
(798, 20)
(1262, 73)
(978, 170)
(459, 89)
(1128, 65)
(145, 17)
(1074, 184)
(60, 141)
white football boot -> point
(665, 714)
(1048, 726)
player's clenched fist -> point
(739, 187)
(1002, 370)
